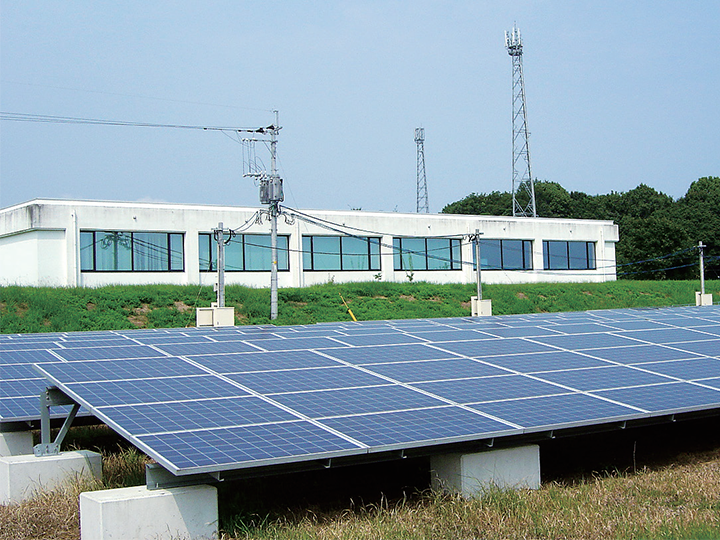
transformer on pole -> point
(523, 188)
(271, 193)
(422, 193)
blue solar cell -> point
(668, 335)
(378, 339)
(490, 388)
(264, 361)
(388, 353)
(107, 353)
(27, 345)
(233, 447)
(641, 353)
(493, 347)
(582, 328)
(714, 382)
(295, 344)
(578, 342)
(27, 357)
(100, 394)
(520, 331)
(448, 334)
(602, 378)
(17, 371)
(197, 414)
(437, 425)
(137, 368)
(547, 361)
(356, 401)
(23, 387)
(665, 397)
(708, 348)
(697, 368)
(168, 339)
(298, 380)
(17, 409)
(435, 370)
(222, 347)
(555, 410)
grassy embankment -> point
(30, 309)
(676, 498)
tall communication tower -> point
(422, 193)
(523, 188)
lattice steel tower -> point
(422, 193)
(523, 188)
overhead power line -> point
(50, 119)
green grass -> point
(39, 309)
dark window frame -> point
(242, 239)
(134, 246)
(589, 258)
(374, 261)
(453, 244)
(525, 252)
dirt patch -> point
(407, 297)
(465, 305)
(435, 299)
(587, 293)
(522, 296)
(182, 307)
(90, 306)
(139, 316)
(3, 307)
(21, 309)
(297, 304)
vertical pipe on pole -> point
(221, 266)
(702, 268)
(477, 265)
(273, 221)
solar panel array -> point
(203, 400)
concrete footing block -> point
(470, 474)
(22, 476)
(703, 299)
(482, 308)
(16, 443)
(162, 514)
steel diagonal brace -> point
(52, 397)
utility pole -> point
(476, 241)
(422, 191)
(220, 237)
(701, 247)
(523, 188)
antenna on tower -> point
(523, 188)
(422, 193)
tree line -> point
(658, 234)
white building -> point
(87, 243)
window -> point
(504, 254)
(344, 253)
(117, 251)
(426, 254)
(560, 255)
(243, 253)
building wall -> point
(39, 243)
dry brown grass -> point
(679, 501)
(676, 501)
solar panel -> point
(242, 398)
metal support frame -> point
(51, 397)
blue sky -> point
(618, 93)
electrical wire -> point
(49, 119)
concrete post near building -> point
(471, 474)
(702, 299)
